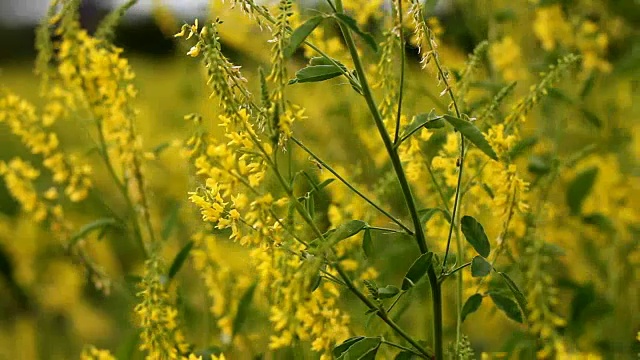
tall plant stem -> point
(454, 215)
(345, 277)
(402, 67)
(123, 189)
(404, 184)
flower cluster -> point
(222, 284)
(68, 175)
(93, 353)
(553, 29)
(161, 336)
(301, 310)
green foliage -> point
(106, 28)
(475, 235)
(300, 34)
(179, 260)
(480, 267)
(507, 306)
(579, 188)
(417, 270)
(471, 305)
(353, 26)
(316, 73)
(470, 132)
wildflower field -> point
(341, 179)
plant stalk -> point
(404, 184)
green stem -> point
(457, 269)
(397, 142)
(437, 185)
(403, 348)
(454, 215)
(382, 229)
(122, 187)
(459, 283)
(404, 184)
(382, 315)
(351, 187)
(345, 277)
(456, 203)
(402, 66)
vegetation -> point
(361, 189)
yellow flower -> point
(194, 51)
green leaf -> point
(311, 206)
(471, 305)
(300, 34)
(388, 291)
(243, 309)
(480, 267)
(316, 73)
(321, 60)
(90, 227)
(588, 85)
(475, 235)
(473, 134)
(363, 349)
(353, 25)
(579, 188)
(160, 148)
(592, 118)
(417, 270)
(522, 146)
(315, 283)
(560, 95)
(427, 214)
(520, 298)
(507, 306)
(340, 349)
(429, 120)
(170, 222)
(179, 260)
(504, 15)
(323, 184)
(404, 355)
(367, 244)
(347, 230)
(539, 165)
(600, 221)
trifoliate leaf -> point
(480, 267)
(353, 25)
(300, 34)
(520, 298)
(507, 306)
(426, 214)
(388, 291)
(475, 235)
(363, 349)
(347, 230)
(340, 349)
(316, 73)
(417, 270)
(471, 305)
(367, 244)
(473, 134)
